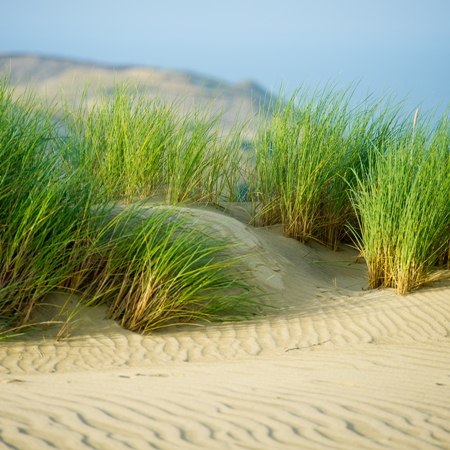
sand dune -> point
(332, 366)
(52, 78)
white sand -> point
(333, 367)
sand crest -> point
(331, 367)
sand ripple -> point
(333, 367)
(376, 318)
(354, 398)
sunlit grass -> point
(320, 165)
(140, 148)
(403, 205)
(324, 167)
(41, 214)
(305, 158)
(59, 231)
(157, 269)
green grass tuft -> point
(319, 165)
(157, 269)
(403, 206)
(59, 231)
(138, 148)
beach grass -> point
(139, 148)
(41, 214)
(325, 165)
(60, 231)
(305, 157)
(154, 268)
(403, 206)
(75, 217)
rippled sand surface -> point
(331, 367)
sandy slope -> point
(332, 367)
(53, 78)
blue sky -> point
(401, 47)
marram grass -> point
(319, 166)
(59, 233)
(305, 157)
(403, 205)
(41, 214)
(156, 269)
(140, 148)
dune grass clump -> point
(300, 156)
(306, 159)
(320, 167)
(403, 206)
(154, 269)
(140, 148)
(41, 217)
(120, 141)
(60, 230)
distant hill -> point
(52, 77)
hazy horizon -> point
(395, 47)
